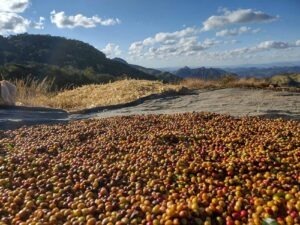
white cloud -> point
(40, 24)
(261, 52)
(165, 38)
(11, 22)
(193, 52)
(266, 45)
(164, 44)
(185, 42)
(247, 52)
(236, 31)
(184, 46)
(209, 42)
(236, 17)
(111, 50)
(136, 49)
(233, 41)
(15, 6)
(61, 20)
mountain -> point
(264, 72)
(120, 60)
(160, 75)
(202, 73)
(33, 54)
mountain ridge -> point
(160, 75)
(202, 73)
(40, 53)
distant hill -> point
(264, 72)
(202, 73)
(160, 75)
(35, 53)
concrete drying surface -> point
(233, 101)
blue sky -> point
(167, 33)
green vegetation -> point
(64, 77)
(70, 62)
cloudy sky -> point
(167, 33)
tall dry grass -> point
(32, 92)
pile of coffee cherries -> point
(190, 169)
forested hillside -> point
(70, 62)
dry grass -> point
(122, 91)
(195, 83)
(226, 82)
(32, 93)
(250, 82)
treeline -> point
(63, 77)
